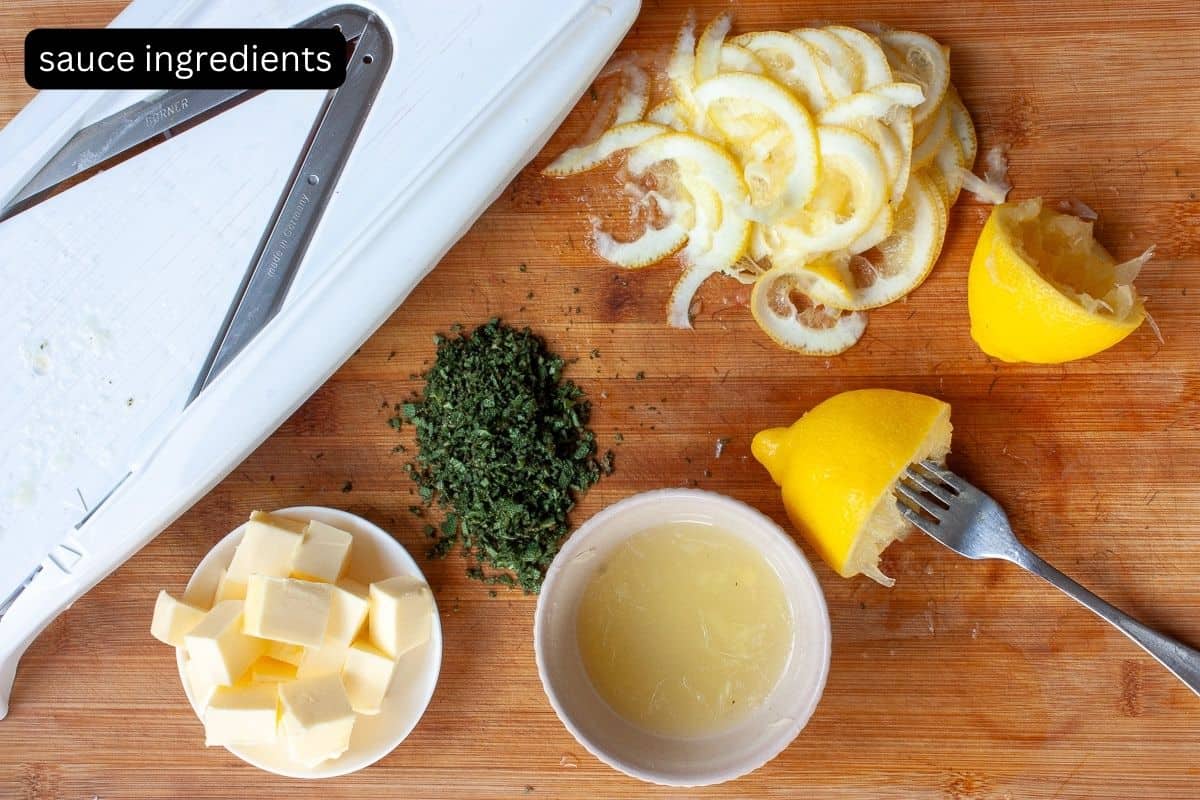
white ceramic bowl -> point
(374, 555)
(664, 760)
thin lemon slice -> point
(669, 114)
(719, 236)
(840, 67)
(790, 180)
(652, 246)
(1041, 289)
(876, 69)
(681, 67)
(791, 61)
(635, 89)
(901, 262)
(708, 46)
(946, 169)
(881, 228)
(890, 150)
(785, 313)
(735, 58)
(956, 156)
(930, 135)
(837, 466)
(589, 156)
(918, 57)
(853, 190)
(899, 122)
(711, 249)
(891, 103)
(695, 156)
(963, 128)
(874, 103)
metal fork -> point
(970, 523)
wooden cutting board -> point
(966, 680)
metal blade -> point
(102, 143)
(282, 249)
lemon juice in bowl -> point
(685, 629)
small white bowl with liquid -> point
(705, 758)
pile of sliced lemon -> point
(818, 165)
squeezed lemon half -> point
(837, 465)
(1042, 289)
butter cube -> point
(287, 610)
(367, 676)
(229, 589)
(219, 647)
(241, 715)
(267, 547)
(317, 718)
(287, 653)
(323, 553)
(348, 611)
(328, 659)
(173, 619)
(401, 614)
(271, 670)
(201, 683)
(202, 591)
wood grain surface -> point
(966, 680)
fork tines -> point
(925, 493)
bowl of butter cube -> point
(307, 641)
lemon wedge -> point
(838, 463)
(1041, 289)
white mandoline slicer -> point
(143, 359)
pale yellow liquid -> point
(684, 630)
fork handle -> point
(1180, 659)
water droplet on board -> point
(568, 761)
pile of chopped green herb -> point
(504, 448)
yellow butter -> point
(201, 683)
(367, 675)
(173, 619)
(241, 715)
(323, 553)
(271, 670)
(228, 589)
(317, 718)
(218, 645)
(401, 614)
(268, 546)
(287, 610)
(348, 611)
(287, 653)
(201, 592)
(328, 659)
